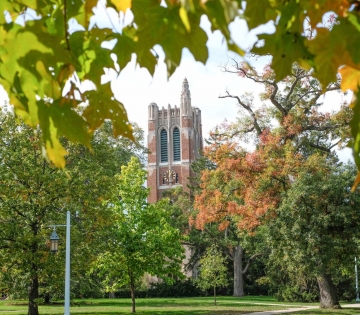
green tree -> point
(142, 238)
(34, 74)
(315, 233)
(213, 270)
(35, 194)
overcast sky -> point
(137, 89)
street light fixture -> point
(54, 241)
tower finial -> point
(185, 99)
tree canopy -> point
(310, 32)
(289, 128)
(315, 232)
(34, 194)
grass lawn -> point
(170, 306)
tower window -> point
(176, 144)
(163, 146)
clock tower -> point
(174, 141)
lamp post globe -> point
(54, 241)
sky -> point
(136, 89)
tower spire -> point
(185, 99)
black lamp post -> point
(54, 241)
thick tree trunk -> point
(214, 295)
(33, 291)
(132, 290)
(238, 272)
(328, 295)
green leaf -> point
(258, 12)
(286, 48)
(329, 50)
(102, 105)
(67, 121)
(54, 149)
(125, 46)
(161, 25)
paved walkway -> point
(293, 308)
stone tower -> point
(174, 142)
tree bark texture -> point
(328, 295)
(33, 295)
(238, 272)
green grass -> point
(170, 306)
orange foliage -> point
(245, 185)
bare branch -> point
(247, 108)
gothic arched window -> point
(163, 146)
(176, 144)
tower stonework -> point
(174, 142)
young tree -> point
(213, 270)
(37, 72)
(142, 239)
(35, 194)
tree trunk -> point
(214, 295)
(238, 272)
(132, 290)
(33, 291)
(111, 294)
(328, 295)
(47, 298)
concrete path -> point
(293, 308)
(289, 310)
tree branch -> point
(248, 109)
(249, 262)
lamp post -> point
(356, 282)
(54, 238)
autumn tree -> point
(248, 184)
(237, 246)
(34, 194)
(142, 239)
(35, 74)
(286, 129)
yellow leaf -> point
(122, 5)
(350, 79)
(55, 151)
(184, 18)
